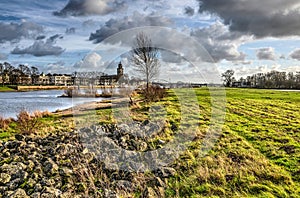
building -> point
(112, 79)
(44, 79)
(61, 80)
(87, 78)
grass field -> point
(256, 155)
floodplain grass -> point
(257, 154)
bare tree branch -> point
(144, 57)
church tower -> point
(120, 70)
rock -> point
(50, 167)
(30, 165)
(65, 172)
(14, 184)
(35, 195)
(5, 153)
(110, 194)
(35, 176)
(4, 178)
(19, 193)
(66, 195)
(3, 189)
(142, 146)
(20, 174)
(165, 172)
(38, 188)
(47, 182)
(125, 185)
(50, 192)
(19, 137)
(18, 158)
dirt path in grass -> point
(81, 108)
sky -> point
(199, 39)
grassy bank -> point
(6, 89)
(256, 155)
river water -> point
(11, 103)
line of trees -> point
(269, 80)
(18, 75)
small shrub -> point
(27, 124)
(153, 93)
(4, 123)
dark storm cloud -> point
(295, 54)
(90, 7)
(275, 18)
(189, 11)
(265, 53)
(13, 32)
(220, 43)
(40, 37)
(41, 48)
(114, 26)
(52, 39)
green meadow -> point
(256, 153)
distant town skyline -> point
(60, 36)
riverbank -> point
(52, 87)
(42, 87)
(6, 89)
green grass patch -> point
(5, 89)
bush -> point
(153, 93)
(4, 123)
(27, 124)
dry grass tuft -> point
(27, 124)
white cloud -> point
(92, 62)
(90, 7)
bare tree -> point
(228, 77)
(144, 57)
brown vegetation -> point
(4, 123)
(153, 93)
(27, 124)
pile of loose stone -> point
(82, 163)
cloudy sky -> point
(63, 36)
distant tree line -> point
(21, 74)
(269, 80)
